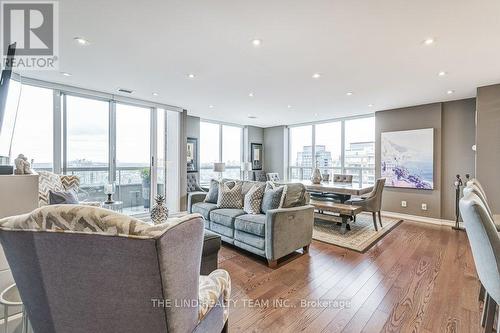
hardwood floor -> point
(419, 278)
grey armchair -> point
(192, 183)
(87, 269)
(372, 202)
(485, 245)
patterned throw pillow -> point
(253, 199)
(273, 197)
(230, 197)
(63, 197)
(47, 181)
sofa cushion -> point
(273, 197)
(252, 224)
(230, 196)
(253, 199)
(63, 197)
(222, 230)
(204, 208)
(295, 195)
(252, 240)
(225, 216)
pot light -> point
(210, 106)
(316, 75)
(429, 41)
(315, 114)
(66, 74)
(349, 93)
(289, 106)
(256, 42)
(252, 117)
(191, 76)
(370, 105)
(250, 94)
(449, 92)
(155, 94)
(81, 41)
(442, 73)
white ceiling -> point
(372, 48)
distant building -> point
(323, 157)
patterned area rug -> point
(360, 238)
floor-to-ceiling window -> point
(133, 156)
(87, 144)
(301, 152)
(220, 143)
(33, 134)
(344, 146)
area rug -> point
(360, 238)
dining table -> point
(342, 190)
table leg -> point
(345, 226)
(6, 318)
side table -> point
(10, 297)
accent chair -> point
(372, 202)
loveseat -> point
(272, 235)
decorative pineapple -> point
(159, 213)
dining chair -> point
(475, 186)
(341, 178)
(484, 241)
(372, 202)
(273, 176)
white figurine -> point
(23, 167)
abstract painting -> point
(407, 158)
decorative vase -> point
(159, 213)
(316, 176)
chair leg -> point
(380, 219)
(272, 263)
(481, 292)
(225, 329)
(305, 249)
(374, 215)
(490, 315)
(485, 308)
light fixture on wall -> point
(219, 168)
(246, 167)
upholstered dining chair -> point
(88, 269)
(485, 245)
(341, 178)
(475, 186)
(273, 176)
(372, 202)
(192, 183)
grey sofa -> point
(86, 269)
(273, 235)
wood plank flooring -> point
(419, 278)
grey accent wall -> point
(488, 143)
(424, 116)
(275, 150)
(458, 136)
(453, 138)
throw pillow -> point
(273, 197)
(63, 197)
(213, 192)
(274, 186)
(253, 199)
(230, 196)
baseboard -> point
(416, 218)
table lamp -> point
(220, 168)
(246, 167)
(109, 190)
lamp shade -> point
(219, 167)
(246, 166)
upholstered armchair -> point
(192, 183)
(372, 202)
(88, 269)
(48, 181)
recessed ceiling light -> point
(256, 42)
(315, 114)
(429, 41)
(65, 74)
(289, 106)
(252, 117)
(191, 76)
(442, 73)
(155, 94)
(316, 75)
(210, 106)
(250, 94)
(370, 105)
(81, 41)
(449, 92)
(349, 93)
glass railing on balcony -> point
(206, 174)
(362, 176)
